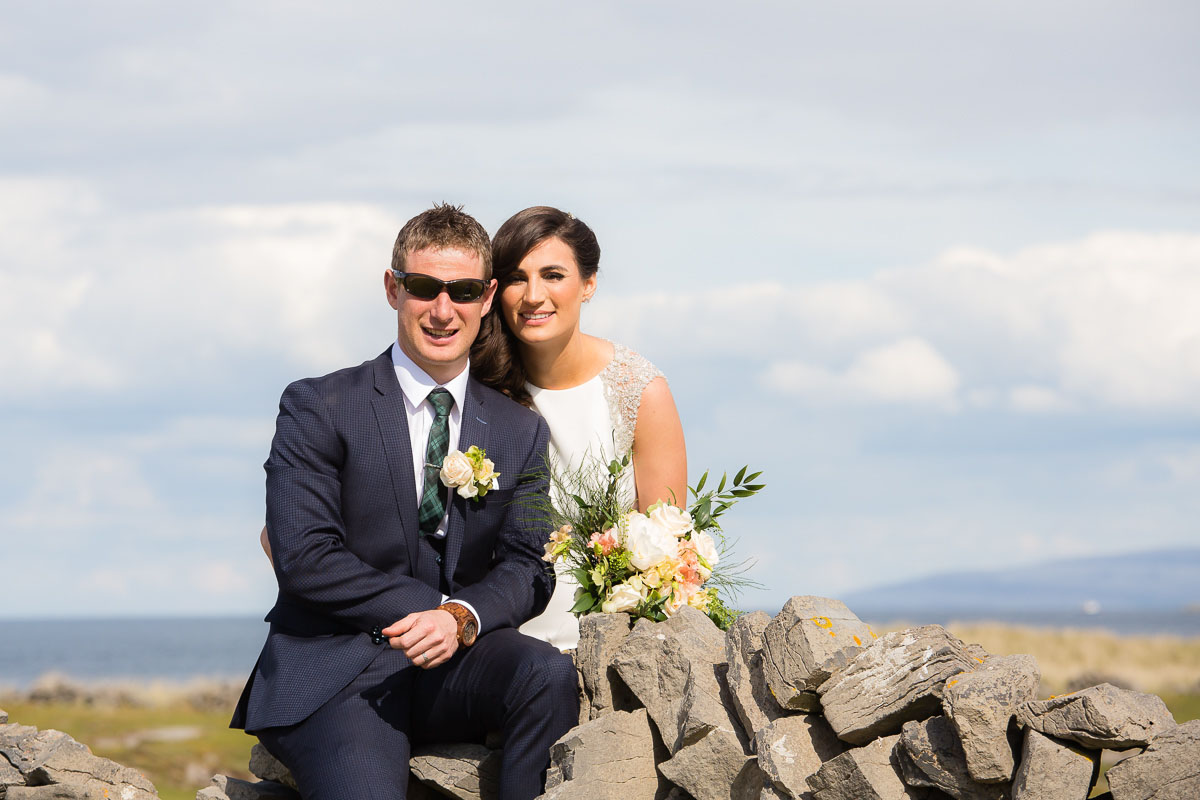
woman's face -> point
(541, 299)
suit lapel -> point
(392, 419)
(473, 430)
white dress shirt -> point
(416, 385)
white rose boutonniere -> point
(472, 474)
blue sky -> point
(935, 269)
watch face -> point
(468, 632)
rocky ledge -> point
(812, 705)
(808, 705)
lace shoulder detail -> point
(624, 380)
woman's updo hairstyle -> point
(495, 360)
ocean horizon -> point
(182, 649)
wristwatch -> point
(468, 629)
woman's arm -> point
(659, 452)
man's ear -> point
(488, 296)
(391, 289)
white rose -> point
(457, 470)
(706, 548)
(648, 542)
(622, 597)
(674, 519)
(468, 490)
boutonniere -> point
(472, 474)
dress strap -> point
(624, 380)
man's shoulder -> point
(343, 388)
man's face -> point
(437, 334)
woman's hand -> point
(659, 452)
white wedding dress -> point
(590, 425)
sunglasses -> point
(427, 287)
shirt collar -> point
(417, 385)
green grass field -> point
(176, 747)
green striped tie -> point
(433, 504)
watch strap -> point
(464, 618)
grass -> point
(154, 740)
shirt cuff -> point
(468, 607)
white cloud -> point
(907, 371)
(95, 299)
(1108, 321)
(1037, 400)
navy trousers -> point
(357, 745)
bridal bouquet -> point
(649, 565)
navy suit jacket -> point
(342, 520)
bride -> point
(600, 399)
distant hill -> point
(1160, 580)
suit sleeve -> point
(520, 583)
(304, 523)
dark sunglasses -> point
(427, 287)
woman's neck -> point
(564, 364)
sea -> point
(225, 648)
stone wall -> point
(808, 705)
(812, 705)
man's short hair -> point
(441, 227)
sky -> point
(933, 267)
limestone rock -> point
(715, 768)
(589, 754)
(3, 717)
(930, 754)
(656, 660)
(1169, 769)
(897, 678)
(9, 776)
(224, 787)
(977, 652)
(864, 773)
(808, 639)
(708, 706)
(772, 792)
(265, 766)
(756, 707)
(52, 757)
(600, 635)
(792, 748)
(465, 771)
(585, 704)
(26, 747)
(1101, 717)
(1052, 769)
(53, 792)
(983, 704)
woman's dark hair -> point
(495, 360)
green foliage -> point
(591, 501)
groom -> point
(386, 576)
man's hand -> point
(428, 638)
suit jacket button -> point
(438, 559)
(377, 636)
